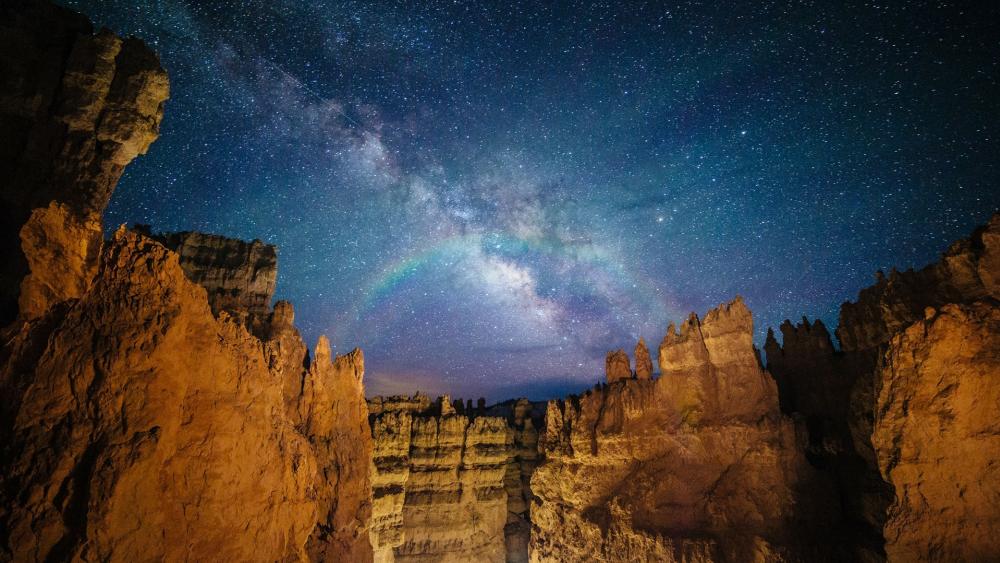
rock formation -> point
(891, 415)
(524, 418)
(156, 408)
(239, 276)
(643, 363)
(697, 465)
(438, 483)
(75, 108)
(137, 424)
(937, 435)
(617, 366)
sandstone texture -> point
(524, 419)
(438, 482)
(937, 436)
(239, 276)
(903, 416)
(697, 465)
(617, 366)
(137, 423)
(75, 108)
(643, 361)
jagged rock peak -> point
(715, 367)
(969, 270)
(643, 361)
(666, 469)
(616, 366)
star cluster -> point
(487, 197)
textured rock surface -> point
(697, 465)
(643, 362)
(136, 425)
(885, 448)
(937, 435)
(75, 108)
(239, 276)
(438, 483)
(524, 419)
(617, 366)
(171, 419)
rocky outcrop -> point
(136, 424)
(617, 366)
(697, 465)
(173, 419)
(439, 491)
(880, 409)
(937, 435)
(239, 276)
(75, 108)
(643, 362)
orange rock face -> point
(239, 276)
(617, 366)
(172, 419)
(903, 416)
(697, 465)
(224, 447)
(136, 424)
(439, 483)
(643, 363)
(937, 435)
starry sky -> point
(486, 197)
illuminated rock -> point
(438, 484)
(698, 465)
(617, 366)
(75, 109)
(643, 362)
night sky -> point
(488, 197)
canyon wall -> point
(138, 423)
(438, 482)
(904, 415)
(696, 465)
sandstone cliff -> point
(438, 482)
(697, 465)
(937, 435)
(75, 108)
(524, 418)
(136, 424)
(890, 415)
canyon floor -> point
(158, 405)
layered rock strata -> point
(524, 419)
(439, 482)
(239, 276)
(697, 465)
(136, 424)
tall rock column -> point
(75, 109)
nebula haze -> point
(486, 196)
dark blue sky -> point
(487, 197)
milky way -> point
(487, 198)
